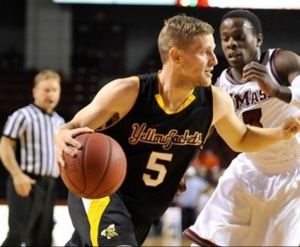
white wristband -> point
(295, 89)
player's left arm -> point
(245, 138)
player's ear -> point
(260, 39)
(174, 54)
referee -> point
(28, 153)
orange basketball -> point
(98, 169)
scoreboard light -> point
(192, 3)
(188, 3)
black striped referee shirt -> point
(33, 129)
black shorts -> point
(105, 222)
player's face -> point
(198, 60)
(239, 44)
(46, 94)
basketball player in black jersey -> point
(164, 118)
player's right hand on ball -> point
(66, 143)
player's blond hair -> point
(179, 31)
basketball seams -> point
(117, 185)
(107, 163)
(79, 190)
(121, 177)
(84, 150)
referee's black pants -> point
(30, 219)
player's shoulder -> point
(286, 62)
(282, 55)
(127, 81)
(222, 104)
(220, 97)
(123, 84)
(218, 91)
(136, 81)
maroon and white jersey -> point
(256, 200)
(256, 108)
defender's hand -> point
(257, 72)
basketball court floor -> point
(63, 229)
(165, 241)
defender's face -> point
(239, 43)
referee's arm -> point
(22, 182)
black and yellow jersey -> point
(159, 145)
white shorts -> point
(251, 208)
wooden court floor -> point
(165, 241)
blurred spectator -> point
(188, 200)
(211, 161)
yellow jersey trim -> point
(186, 103)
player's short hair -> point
(179, 31)
(245, 14)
